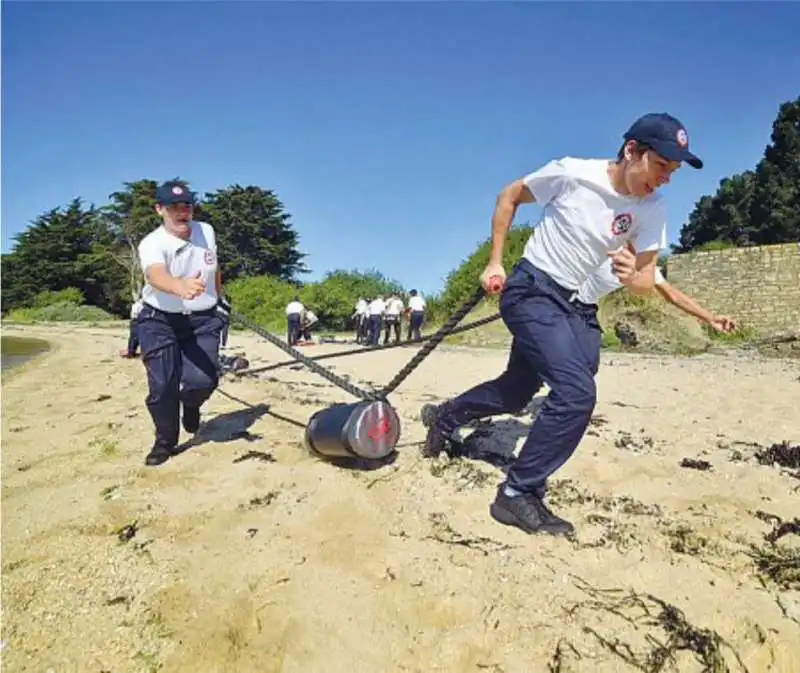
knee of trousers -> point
(578, 395)
(162, 393)
(200, 381)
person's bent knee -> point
(578, 395)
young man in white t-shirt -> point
(294, 316)
(592, 208)
(375, 311)
(179, 325)
(361, 316)
(394, 309)
(416, 315)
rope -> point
(335, 379)
(436, 339)
(432, 342)
(362, 349)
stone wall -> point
(758, 286)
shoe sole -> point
(502, 515)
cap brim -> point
(676, 153)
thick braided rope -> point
(361, 350)
(436, 339)
(308, 362)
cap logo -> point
(683, 139)
(177, 191)
(621, 224)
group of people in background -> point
(375, 315)
(371, 317)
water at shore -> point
(17, 350)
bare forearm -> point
(161, 280)
(690, 306)
(501, 222)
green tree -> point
(775, 211)
(254, 233)
(63, 248)
(757, 207)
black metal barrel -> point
(369, 429)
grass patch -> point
(108, 448)
(61, 312)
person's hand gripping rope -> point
(493, 278)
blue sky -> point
(387, 129)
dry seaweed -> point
(668, 632)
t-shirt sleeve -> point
(659, 277)
(651, 235)
(548, 182)
(150, 252)
(210, 236)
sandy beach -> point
(245, 553)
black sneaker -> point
(435, 442)
(158, 454)
(528, 513)
(191, 419)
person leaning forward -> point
(594, 210)
(179, 324)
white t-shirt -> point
(376, 307)
(584, 219)
(310, 318)
(294, 307)
(136, 308)
(602, 282)
(361, 307)
(183, 258)
(394, 306)
(416, 303)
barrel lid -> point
(374, 430)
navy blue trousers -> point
(415, 321)
(292, 328)
(180, 353)
(133, 338)
(375, 329)
(555, 341)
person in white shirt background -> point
(133, 330)
(416, 315)
(361, 316)
(294, 313)
(592, 210)
(308, 321)
(375, 310)
(392, 317)
(179, 325)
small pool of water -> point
(16, 350)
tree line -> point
(760, 206)
(88, 251)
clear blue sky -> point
(385, 128)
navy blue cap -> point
(665, 135)
(172, 192)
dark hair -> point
(640, 148)
(413, 293)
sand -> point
(282, 562)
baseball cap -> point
(665, 135)
(172, 192)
